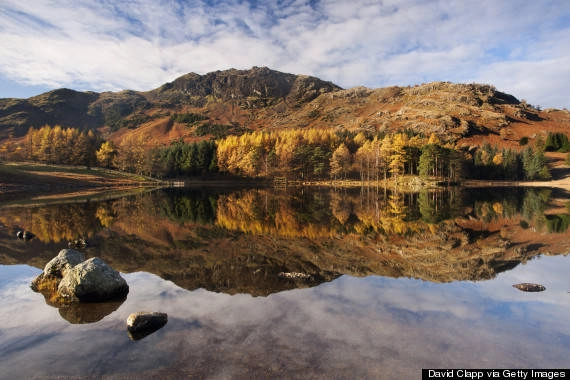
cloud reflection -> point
(351, 327)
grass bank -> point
(35, 181)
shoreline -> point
(563, 183)
(41, 182)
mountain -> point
(246, 89)
(255, 88)
(194, 107)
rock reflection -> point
(77, 313)
(82, 313)
(375, 327)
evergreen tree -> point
(534, 164)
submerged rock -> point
(295, 275)
(528, 287)
(25, 235)
(145, 323)
(93, 281)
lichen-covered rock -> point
(48, 281)
(47, 285)
(64, 261)
(92, 281)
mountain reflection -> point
(250, 241)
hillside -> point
(195, 107)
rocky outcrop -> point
(92, 281)
(254, 88)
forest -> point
(300, 154)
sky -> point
(520, 46)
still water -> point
(391, 283)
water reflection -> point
(241, 241)
(76, 313)
(376, 327)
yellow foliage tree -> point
(106, 154)
(340, 161)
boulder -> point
(64, 261)
(92, 281)
(144, 320)
(145, 323)
(48, 281)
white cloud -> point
(141, 44)
(541, 83)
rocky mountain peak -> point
(258, 86)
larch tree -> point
(398, 156)
(340, 162)
(106, 154)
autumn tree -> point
(57, 145)
(340, 162)
(131, 155)
(398, 157)
(106, 154)
(365, 159)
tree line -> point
(490, 162)
(56, 145)
(303, 154)
(318, 154)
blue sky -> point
(521, 47)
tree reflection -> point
(305, 213)
(321, 214)
(59, 223)
(240, 241)
(530, 205)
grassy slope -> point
(39, 181)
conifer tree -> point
(340, 162)
(106, 154)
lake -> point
(294, 283)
